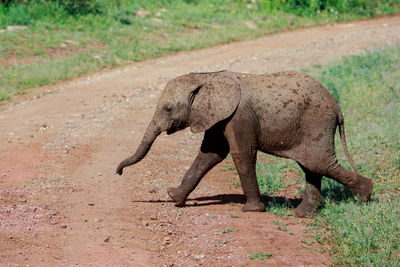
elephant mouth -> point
(171, 131)
(176, 126)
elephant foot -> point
(306, 209)
(363, 189)
(176, 196)
(311, 202)
(255, 205)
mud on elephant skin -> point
(287, 114)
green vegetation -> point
(272, 177)
(230, 230)
(66, 39)
(281, 226)
(368, 89)
(260, 256)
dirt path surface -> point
(62, 204)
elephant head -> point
(198, 100)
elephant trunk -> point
(151, 134)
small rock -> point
(72, 42)
(22, 200)
(43, 127)
(51, 213)
(145, 224)
(64, 226)
(153, 217)
(213, 215)
(13, 28)
(152, 227)
(198, 256)
(91, 204)
(220, 231)
(142, 13)
(97, 219)
(251, 25)
(107, 239)
(153, 190)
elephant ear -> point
(214, 101)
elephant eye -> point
(168, 109)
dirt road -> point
(62, 204)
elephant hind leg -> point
(320, 158)
(359, 185)
(329, 166)
(312, 194)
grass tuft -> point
(260, 256)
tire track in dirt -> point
(65, 205)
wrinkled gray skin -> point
(287, 114)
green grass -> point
(271, 177)
(260, 256)
(367, 87)
(66, 39)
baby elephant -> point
(286, 114)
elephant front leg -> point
(242, 137)
(312, 195)
(213, 150)
(247, 173)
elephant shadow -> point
(331, 191)
(334, 192)
(224, 199)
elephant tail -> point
(343, 140)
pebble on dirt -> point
(153, 190)
(198, 256)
